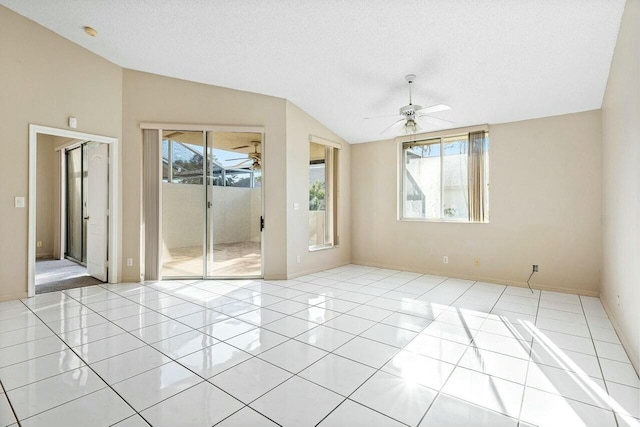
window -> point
(446, 178)
(323, 167)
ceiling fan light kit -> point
(413, 113)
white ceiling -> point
(491, 61)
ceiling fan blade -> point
(382, 117)
(239, 147)
(433, 109)
(435, 121)
(396, 125)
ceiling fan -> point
(413, 115)
(255, 157)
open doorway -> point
(74, 181)
(72, 235)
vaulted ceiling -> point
(341, 61)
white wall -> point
(621, 184)
(545, 201)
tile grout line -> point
(526, 375)
(161, 352)
(88, 366)
(258, 307)
(15, 416)
(595, 349)
(457, 364)
(295, 374)
(295, 337)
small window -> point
(323, 205)
(446, 178)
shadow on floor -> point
(56, 275)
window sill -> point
(448, 221)
(318, 248)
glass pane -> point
(183, 206)
(165, 160)
(235, 196)
(74, 204)
(455, 195)
(187, 161)
(317, 194)
(422, 181)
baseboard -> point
(275, 277)
(523, 284)
(316, 270)
(631, 352)
(11, 297)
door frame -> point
(114, 207)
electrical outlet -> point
(298, 259)
(445, 260)
(618, 300)
(535, 268)
(39, 244)
(129, 262)
(476, 262)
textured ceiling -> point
(492, 61)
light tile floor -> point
(351, 346)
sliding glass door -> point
(234, 198)
(211, 204)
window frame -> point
(401, 169)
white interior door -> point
(97, 209)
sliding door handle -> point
(261, 223)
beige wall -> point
(45, 197)
(299, 127)
(44, 80)
(153, 98)
(621, 184)
(545, 200)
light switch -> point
(19, 202)
(296, 206)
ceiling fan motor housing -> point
(409, 111)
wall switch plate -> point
(129, 262)
(298, 259)
(39, 244)
(19, 202)
(296, 206)
(445, 260)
